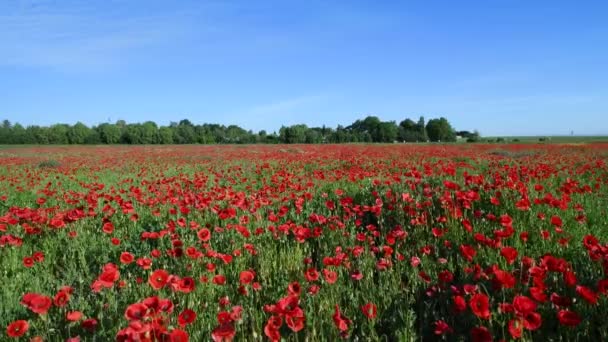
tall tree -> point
(58, 134)
(149, 133)
(109, 133)
(165, 135)
(421, 129)
(440, 130)
(78, 133)
(18, 134)
(387, 132)
(6, 132)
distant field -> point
(554, 139)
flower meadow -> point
(304, 243)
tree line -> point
(371, 129)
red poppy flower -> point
(164, 305)
(570, 278)
(562, 301)
(480, 305)
(136, 311)
(356, 275)
(61, 299)
(126, 258)
(523, 305)
(481, 334)
(38, 256)
(204, 235)
(446, 276)
(271, 329)
(17, 328)
(109, 274)
(504, 279)
(330, 276)
(108, 228)
(225, 332)
(340, 321)
(219, 279)
(28, 262)
(467, 252)
(186, 317)
(538, 294)
(509, 253)
(186, 285)
(568, 318)
(602, 286)
(73, 316)
(556, 221)
(177, 335)
(295, 320)
(246, 277)
(369, 310)
(294, 289)
(460, 304)
(37, 303)
(515, 328)
(587, 294)
(442, 328)
(311, 275)
(313, 289)
(89, 324)
(158, 279)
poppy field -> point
(304, 243)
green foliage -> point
(109, 134)
(440, 130)
(368, 130)
(49, 164)
(410, 131)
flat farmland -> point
(304, 242)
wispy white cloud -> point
(76, 37)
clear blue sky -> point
(504, 67)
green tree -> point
(93, 138)
(236, 135)
(109, 133)
(6, 135)
(387, 132)
(185, 133)
(149, 133)
(358, 130)
(78, 133)
(165, 135)
(295, 134)
(440, 130)
(58, 134)
(421, 130)
(19, 134)
(408, 131)
(37, 135)
(132, 134)
(312, 136)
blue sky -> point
(504, 67)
